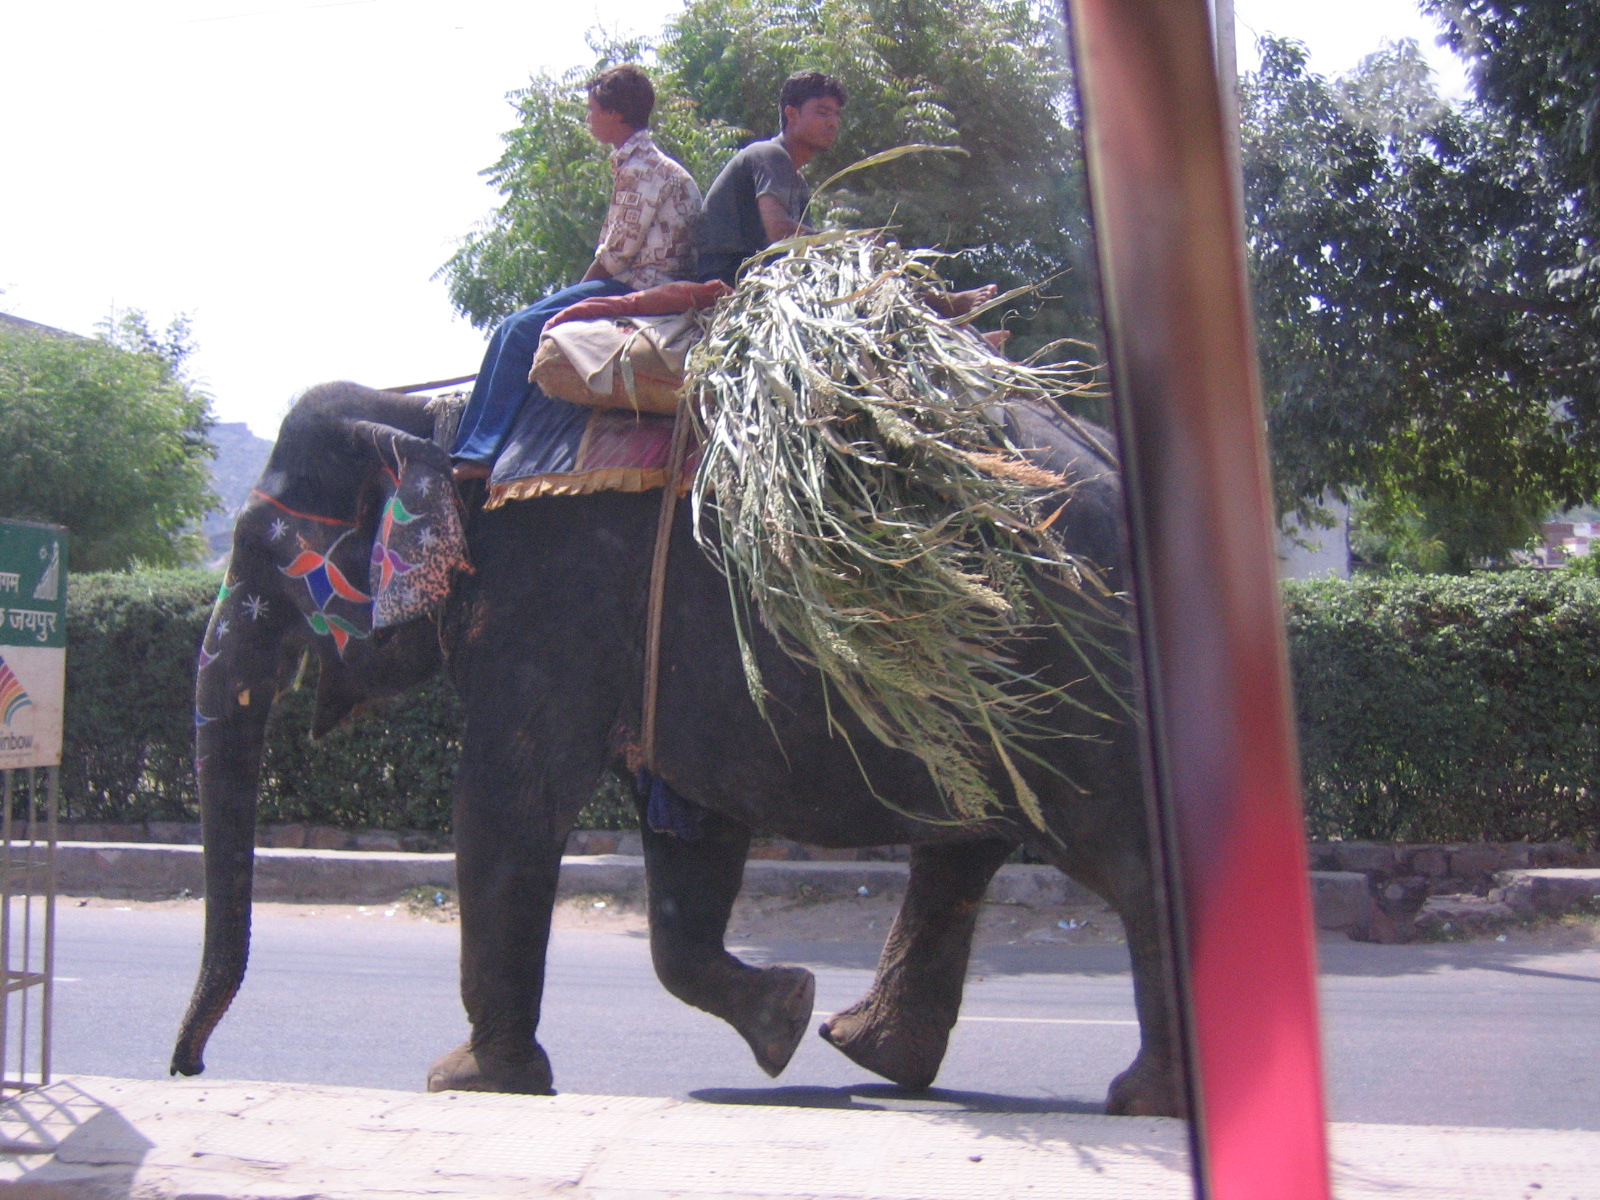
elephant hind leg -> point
(692, 887)
(901, 1028)
(1153, 1085)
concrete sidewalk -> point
(93, 1137)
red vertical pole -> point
(1170, 242)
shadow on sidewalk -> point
(885, 1096)
(60, 1135)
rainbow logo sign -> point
(13, 696)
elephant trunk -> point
(354, 496)
(233, 699)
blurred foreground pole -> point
(1165, 196)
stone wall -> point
(1450, 868)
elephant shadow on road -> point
(1020, 959)
(1575, 963)
(882, 1096)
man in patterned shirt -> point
(647, 239)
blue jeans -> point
(502, 387)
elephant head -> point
(350, 539)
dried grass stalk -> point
(873, 512)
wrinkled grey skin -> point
(544, 642)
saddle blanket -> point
(557, 448)
(561, 449)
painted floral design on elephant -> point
(324, 582)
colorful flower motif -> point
(388, 563)
(328, 625)
(322, 577)
(324, 582)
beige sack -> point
(620, 351)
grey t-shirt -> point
(730, 224)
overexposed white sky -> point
(292, 172)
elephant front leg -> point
(691, 890)
(901, 1028)
(507, 878)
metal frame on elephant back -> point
(1168, 222)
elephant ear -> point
(420, 543)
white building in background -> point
(1565, 541)
(1314, 553)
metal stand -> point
(27, 925)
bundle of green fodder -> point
(871, 506)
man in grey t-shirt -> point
(760, 198)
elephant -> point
(543, 638)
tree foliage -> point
(1414, 347)
(107, 438)
(1428, 317)
(1538, 62)
(989, 76)
(1536, 65)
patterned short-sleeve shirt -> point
(649, 234)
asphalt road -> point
(1474, 1034)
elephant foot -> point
(467, 1070)
(1147, 1090)
(776, 1019)
(904, 1048)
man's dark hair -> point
(626, 91)
(807, 85)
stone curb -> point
(143, 871)
(140, 870)
(87, 1137)
(1549, 893)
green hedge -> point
(1431, 709)
(1442, 708)
(128, 749)
(129, 739)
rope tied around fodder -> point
(877, 517)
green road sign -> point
(33, 642)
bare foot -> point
(465, 469)
(961, 303)
(998, 339)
